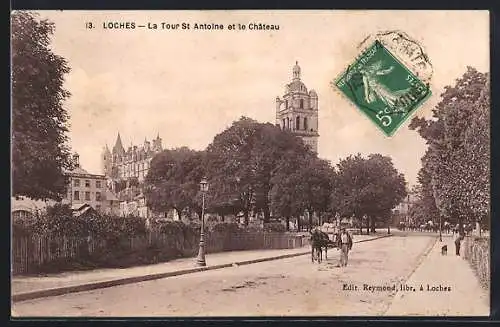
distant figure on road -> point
(458, 239)
(345, 245)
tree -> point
(241, 162)
(425, 207)
(230, 175)
(270, 145)
(457, 158)
(301, 184)
(371, 187)
(39, 120)
(173, 181)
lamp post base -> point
(200, 260)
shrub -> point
(169, 227)
(275, 227)
(224, 227)
(252, 228)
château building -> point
(297, 110)
(120, 164)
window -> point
(76, 195)
(76, 182)
(286, 104)
(87, 183)
(87, 196)
(305, 123)
(297, 123)
(301, 103)
(98, 196)
(22, 214)
(284, 123)
(98, 184)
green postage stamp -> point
(382, 88)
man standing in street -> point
(458, 239)
(345, 245)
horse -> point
(447, 227)
(319, 240)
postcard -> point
(250, 163)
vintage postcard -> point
(250, 163)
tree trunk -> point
(310, 219)
(179, 215)
(372, 223)
(246, 217)
(319, 218)
(460, 225)
(298, 224)
(222, 217)
(368, 225)
(267, 214)
(388, 228)
(287, 223)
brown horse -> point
(319, 241)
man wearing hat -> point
(345, 245)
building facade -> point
(24, 208)
(85, 188)
(402, 210)
(297, 110)
(121, 164)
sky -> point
(189, 85)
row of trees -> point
(454, 181)
(258, 168)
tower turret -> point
(118, 148)
(296, 71)
(106, 161)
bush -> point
(252, 229)
(224, 227)
(171, 227)
(275, 227)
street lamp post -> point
(200, 261)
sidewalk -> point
(466, 297)
(28, 287)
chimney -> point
(76, 160)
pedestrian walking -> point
(458, 240)
(345, 245)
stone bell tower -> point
(297, 110)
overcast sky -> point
(189, 85)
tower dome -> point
(313, 94)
